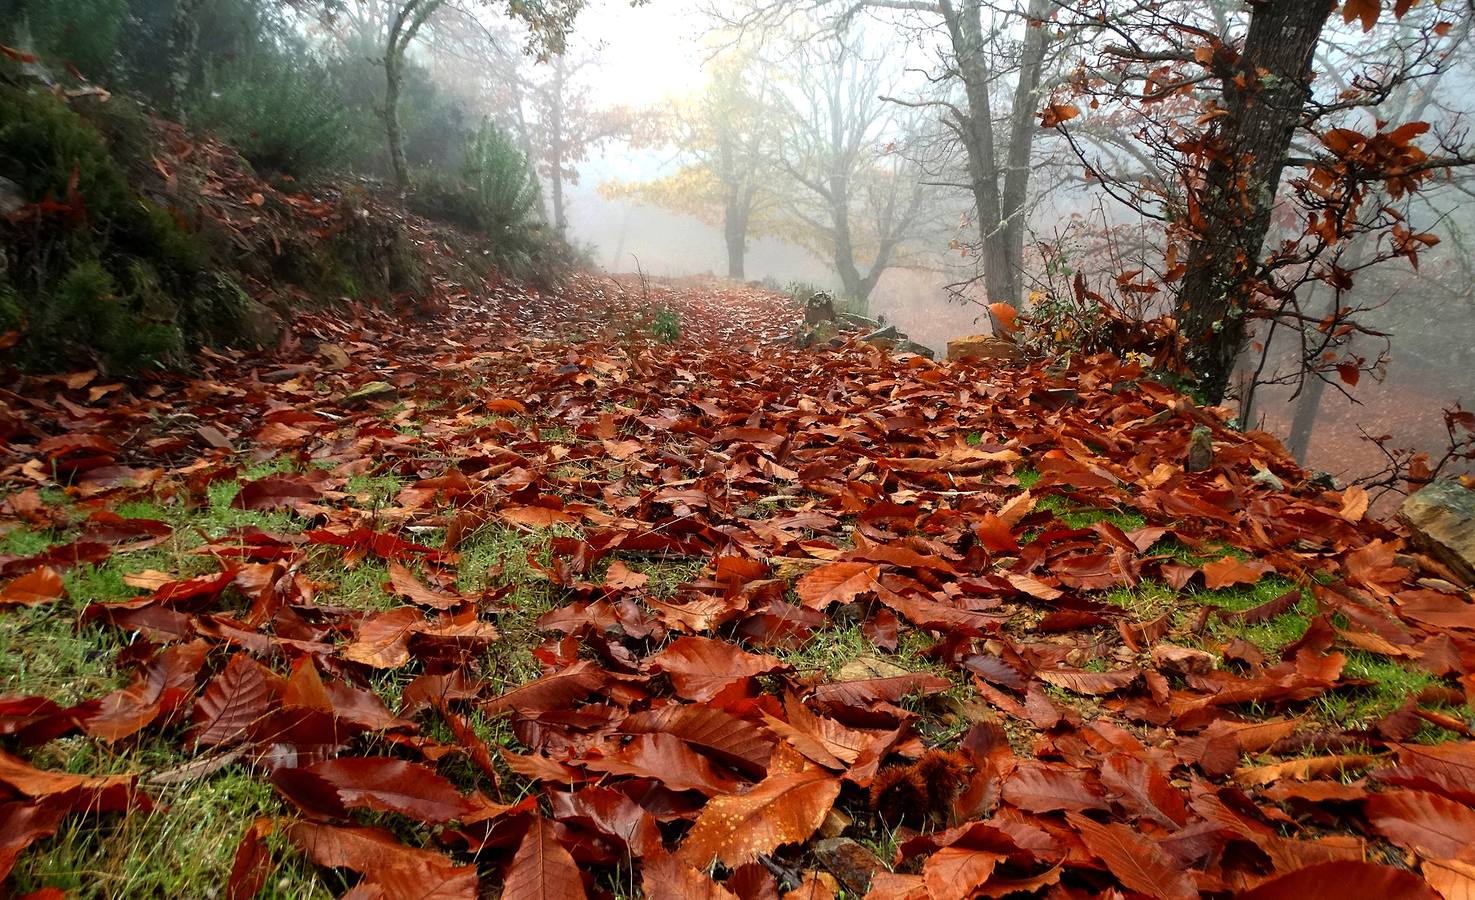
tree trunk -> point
(1303, 423)
(1022, 130)
(393, 69)
(735, 231)
(1264, 99)
(555, 140)
(183, 52)
(999, 197)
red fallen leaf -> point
(1342, 879)
(252, 864)
(700, 668)
(1230, 571)
(1303, 769)
(274, 492)
(556, 691)
(782, 809)
(383, 641)
(42, 585)
(39, 783)
(837, 582)
(236, 699)
(384, 546)
(542, 868)
(397, 871)
(407, 585)
(621, 577)
(1451, 878)
(953, 873)
(1422, 821)
(1092, 683)
(166, 684)
(1040, 787)
(1144, 789)
(867, 692)
(665, 758)
(1137, 862)
(536, 516)
(23, 824)
(611, 813)
(665, 877)
(393, 785)
(721, 735)
(471, 742)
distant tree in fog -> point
(726, 137)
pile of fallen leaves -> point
(1057, 745)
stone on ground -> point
(983, 348)
(1441, 520)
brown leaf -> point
(1230, 571)
(1041, 787)
(39, 586)
(700, 668)
(252, 865)
(397, 871)
(393, 785)
(1341, 880)
(838, 582)
(408, 586)
(235, 700)
(542, 868)
(736, 742)
(1136, 861)
(1422, 821)
(781, 809)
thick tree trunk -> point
(393, 68)
(1264, 100)
(183, 52)
(1303, 423)
(999, 197)
(735, 231)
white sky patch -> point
(646, 53)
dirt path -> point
(524, 599)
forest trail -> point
(522, 596)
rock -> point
(334, 357)
(1171, 659)
(11, 200)
(374, 390)
(884, 336)
(820, 307)
(850, 862)
(906, 345)
(259, 324)
(817, 334)
(1200, 450)
(983, 348)
(1267, 478)
(855, 320)
(1441, 521)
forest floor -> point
(524, 599)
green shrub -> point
(113, 285)
(86, 311)
(283, 112)
(666, 326)
(502, 184)
(83, 33)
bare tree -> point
(840, 145)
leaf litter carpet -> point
(812, 624)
